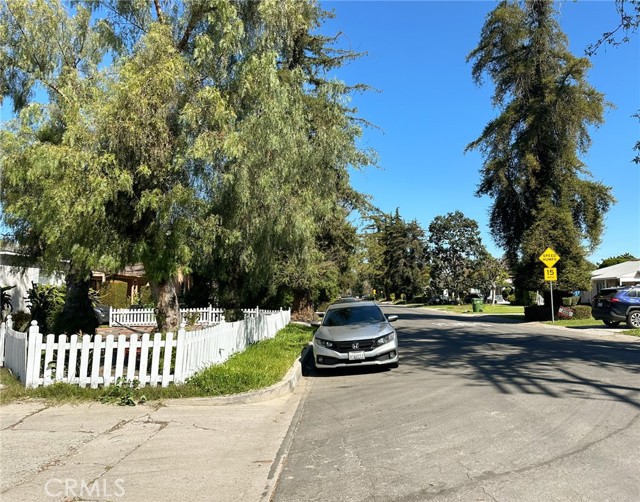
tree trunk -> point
(78, 314)
(167, 306)
(302, 309)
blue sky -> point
(428, 108)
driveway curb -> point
(286, 386)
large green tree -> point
(543, 194)
(205, 130)
(454, 247)
(615, 260)
(396, 255)
(52, 188)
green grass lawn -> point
(592, 323)
(486, 309)
(261, 365)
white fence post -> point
(180, 346)
(32, 373)
(3, 332)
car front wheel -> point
(612, 324)
(633, 319)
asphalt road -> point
(480, 409)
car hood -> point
(354, 331)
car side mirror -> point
(392, 318)
(320, 314)
(315, 324)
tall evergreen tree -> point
(543, 193)
(397, 254)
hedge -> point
(114, 293)
(543, 312)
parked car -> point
(470, 297)
(355, 334)
(346, 299)
(102, 313)
(615, 305)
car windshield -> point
(353, 315)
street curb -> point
(282, 388)
(591, 331)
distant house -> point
(622, 274)
(133, 275)
(14, 273)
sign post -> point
(550, 258)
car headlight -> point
(385, 339)
(324, 343)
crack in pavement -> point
(13, 426)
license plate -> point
(599, 304)
(356, 356)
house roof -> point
(629, 271)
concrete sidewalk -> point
(191, 449)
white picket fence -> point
(151, 359)
(147, 317)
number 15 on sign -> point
(550, 274)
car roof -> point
(351, 304)
(346, 299)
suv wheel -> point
(633, 319)
(612, 324)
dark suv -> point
(614, 305)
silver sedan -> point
(355, 334)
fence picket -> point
(108, 360)
(83, 376)
(144, 357)
(73, 358)
(48, 359)
(62, 352)
(95, 362)
(155, 358)
(122, 341)
(180, 345)
(168, 352)
(133, 356)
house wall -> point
(22, 279)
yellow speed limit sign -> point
(550, 274)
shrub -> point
(21, 320)
(114, 293)
(581, 312)
(46, 302)
(233, 315)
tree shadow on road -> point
(522, 359)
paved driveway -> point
(480, 409)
